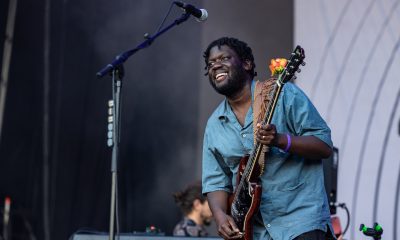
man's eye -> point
(210, 64)
(225, 58)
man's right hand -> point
(227, 227)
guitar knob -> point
(299, 70)
(303, 63)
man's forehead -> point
(219, 49)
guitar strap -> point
(263, 92)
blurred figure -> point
(196, 212)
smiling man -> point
(293, 201)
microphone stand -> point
(113, 138)
(116, 70)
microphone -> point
(200, 14)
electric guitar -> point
(245, 201)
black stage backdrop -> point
(161, 108)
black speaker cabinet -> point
(330, 177)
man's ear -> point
(247, 65)
(196, 204)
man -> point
(197, 213)
(293, 202)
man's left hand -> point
(267, 135)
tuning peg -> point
(294, 77)
(303, 63)
(299, 70)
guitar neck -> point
(288, 73)
(255, 155)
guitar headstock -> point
(296, 59)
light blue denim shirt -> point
(293, 197)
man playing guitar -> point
(293, 202)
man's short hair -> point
(241, 48)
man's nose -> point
(216, 65)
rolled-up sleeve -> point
(304, 117)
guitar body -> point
(244, 204)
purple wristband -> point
(289, 142)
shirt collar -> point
(225, 109)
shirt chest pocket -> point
(283, 201)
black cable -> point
(165, 18)
(343, 205)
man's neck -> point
(241, 102)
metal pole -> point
(117, 84)
(12, 8)
(46, 127)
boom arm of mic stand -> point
(121, 58)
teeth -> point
(220, 75)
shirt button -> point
(268, 225)
(244, 135)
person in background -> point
(196, 212)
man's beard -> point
(234, 84)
